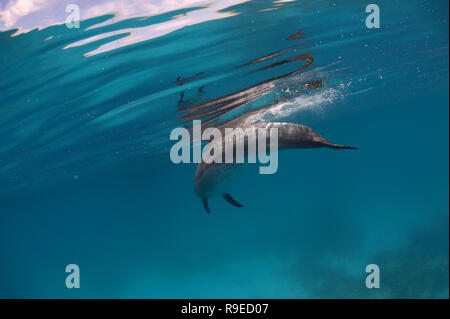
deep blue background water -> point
(86, 178)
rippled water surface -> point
(86, 178)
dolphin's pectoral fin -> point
(231, 200)
(205, 204)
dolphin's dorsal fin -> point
(205, 204)
(231, 200)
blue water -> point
(86, 177)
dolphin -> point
(214, 179)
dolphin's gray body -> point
(213, 179)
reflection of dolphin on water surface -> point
(215, 178)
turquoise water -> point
(86, 177)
